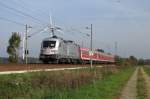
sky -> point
(123, 21)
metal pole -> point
(26, 38)
(91, 61)
(116, 48)
(23, 47)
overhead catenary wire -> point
(79, 32)
(21, 12)
(27, 6)
(37, 32)
(25, 14)
(15, 22)
(12, 21)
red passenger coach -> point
(96, 56)
(85, 54)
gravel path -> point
(130, 91)
(147, 81)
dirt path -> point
(130, 91)
(147, 81)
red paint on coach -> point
(97, 56)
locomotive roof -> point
(54, 37)
(59, 38)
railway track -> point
(17, 67)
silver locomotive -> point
(58, 50)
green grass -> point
(147, 70)
(80, 84)
(108, 88)
(141, 92)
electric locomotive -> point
(56, 49)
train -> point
(57, 50)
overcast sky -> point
(124, 21)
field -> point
(99, 83)
(147, 70)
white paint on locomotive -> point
(56, 49)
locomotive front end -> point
(49, 50)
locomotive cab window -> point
(50, 44)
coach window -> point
(85, 52)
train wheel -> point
(45, 62)
(57, 61)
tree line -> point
(131, 61)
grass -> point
(109, 88)
(141, 92)
(78, 84)
(147, 70)
(31, 85)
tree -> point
(13, 47)
(141, 62)
(133, 60)
(121, 61)
(147, 61)
(118, 60)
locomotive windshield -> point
(50, 44)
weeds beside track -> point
(100, 83)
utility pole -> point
(91, 45)
(116, 48)
(91, 48)
(26, 38)
(26, 43)
(23, 47)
